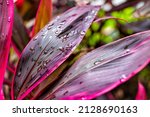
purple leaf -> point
(6, 21)
(141, 93)
(51, 47)
(20, 37)
(104, 68)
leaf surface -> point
(51, 47)
(20, 37)
(104, 68)
(6, 22)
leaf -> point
(1, 95)
(141, 93)
(20, 37)
(47, 82)
(6, 21)
(44, 15)
(104, 68)
(50, 48)
(138, 26)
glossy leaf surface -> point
(6, 21)
(51, 47)
(104, 68)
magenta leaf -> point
(141, 93)
(6, 21)
(51, 47)
(1, 95)
(104, 68)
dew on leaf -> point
(9, 19)
(62, 22)
(45, 52)
(128, 50)
(32, 49)
(7, 2)
(19, 74)
(82, 32)
(123, 78)
(44, 64)
(97, 62)
(56, 32)
(50, 26)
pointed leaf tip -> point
(141, 93)
(51, 47)
(104, 68)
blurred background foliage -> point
(135, 12)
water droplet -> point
(44, 64)
(9, 19)
(127, 50)
(19, 74)
(45, 52)
(82, 32)
(34, 39)
(123, 78)
(61, 49)
(58, 17)
(43, 34)
(97, 62)
(7, 2)
(56, 32)
(64, 38)
(50, 26)
(50, 37)
(62, 22)
(93, 12)
(32, 49)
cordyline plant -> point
(44, 56)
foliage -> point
(71, 49)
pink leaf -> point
(104, 68)
(141, 93)
(6, 21)
(51, 47)
(1, 95)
